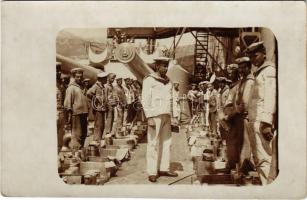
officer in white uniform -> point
(262, 113)
(156, 101)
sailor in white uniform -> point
(156, 101)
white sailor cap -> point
(162, 60)
(75, 70)
(242, 60)
(102, 75)
(58, 63)
(203, 83)
(255, 47)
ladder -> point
(200, 54)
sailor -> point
(223, 90)
(129, 92)
(60, 93)
(121, 103)
(73, 71)
(233, 123)
(76, 105)
(203, 102)
(262, 112)
(192, 99)
(222, 97)
(176, 102)
(97, 94)
(65, 78)
(212, 95)
(194, 104)
(137, 102)
(241, 104)
(86, 85)
(156, 100)
(111, 102)
(137, 89)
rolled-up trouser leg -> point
(120, 117)
(99, 125)
(125, 113)
(109, 120)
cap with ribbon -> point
(242, 60)
(77, 70)
(164, 60)
(102, 75)
(203, 83)
(255, 47)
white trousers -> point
(266, 154)
(249, 142)
(159, 144)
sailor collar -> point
(75, 84)
(226, 87)
(159, 78)
(99, 84)
(263, 66)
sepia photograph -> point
(153, 99)
(167, 105)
